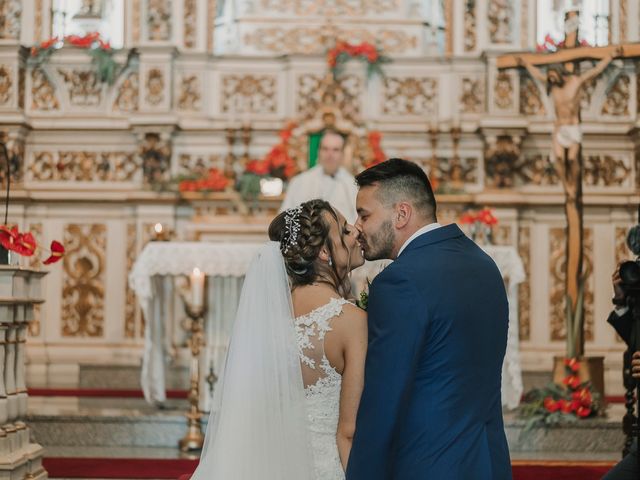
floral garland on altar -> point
(365, 51)
(100, 52)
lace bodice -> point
(322, 387)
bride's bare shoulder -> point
(309, 297)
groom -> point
(438, 319)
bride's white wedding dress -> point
(275, 408)
(322, 388)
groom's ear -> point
(403, 214)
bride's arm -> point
(353, 328)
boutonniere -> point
(363, 298)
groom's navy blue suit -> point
(431, 407)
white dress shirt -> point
(421, 231)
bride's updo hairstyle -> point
(302, 232)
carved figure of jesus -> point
(564, 88)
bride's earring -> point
(330, 262)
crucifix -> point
(564, 83)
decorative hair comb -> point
(291, 228)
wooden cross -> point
(564, 84)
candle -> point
(158, 228)
(197, 287)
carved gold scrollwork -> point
(249, 94)
(189, 95)
(190, 23)
(155, 86)
(159, 19)
(43, 94)
(83, 166)
(6, 84)
(605, 170)
(617, 101)
(530, 99)
(84, 87)
(10, 12)
(154, 152)
(503, 164)
(470, 33)
(314, 92)
(503, 91)
(557, 276)
(308, 40)
(472, 96)
(130, 307)
(34, 262)
(127, 98)
(501, 16)
(410, 96)
(524, 289)
(83, 291)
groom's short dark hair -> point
(401, 180)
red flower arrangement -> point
(550, 45)
(365, 51)
(484, 216)
(377, 154)
(11, 239)
(100, 51)
(555, 403)
(277, 163)
(215, 181)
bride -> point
(287, 402)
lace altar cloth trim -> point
(180, 258)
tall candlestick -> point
(197, 287)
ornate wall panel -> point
(43, 93)
(607, 170)
(470, 25)
(189, 95)
(501, 18)
(472, 95)
(455, 172)
(154, 86)
(194, 164)
(504, 167)
(154, 154)
(158, 17)
(130, 306)
(524, 289)
(310, 39)
(34, 262)
(15, 147)
(331, 8)
(10, 12)
(530, 98)
(617, 101)
(83, 166)
(6, 85)
(557, 259)
(127, 98)
(83, 292)
(190, 23)
(311, 94)
(503, 91)
(410, 96)
(83, 87)
(243, 94)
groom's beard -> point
(379, 245)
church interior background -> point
(101, 134)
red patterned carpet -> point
(182, 469)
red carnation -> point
(550, 404)
(572, 381)
(583, 412)
(572, 363)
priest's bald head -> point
(331, 151)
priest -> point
(328, 180)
